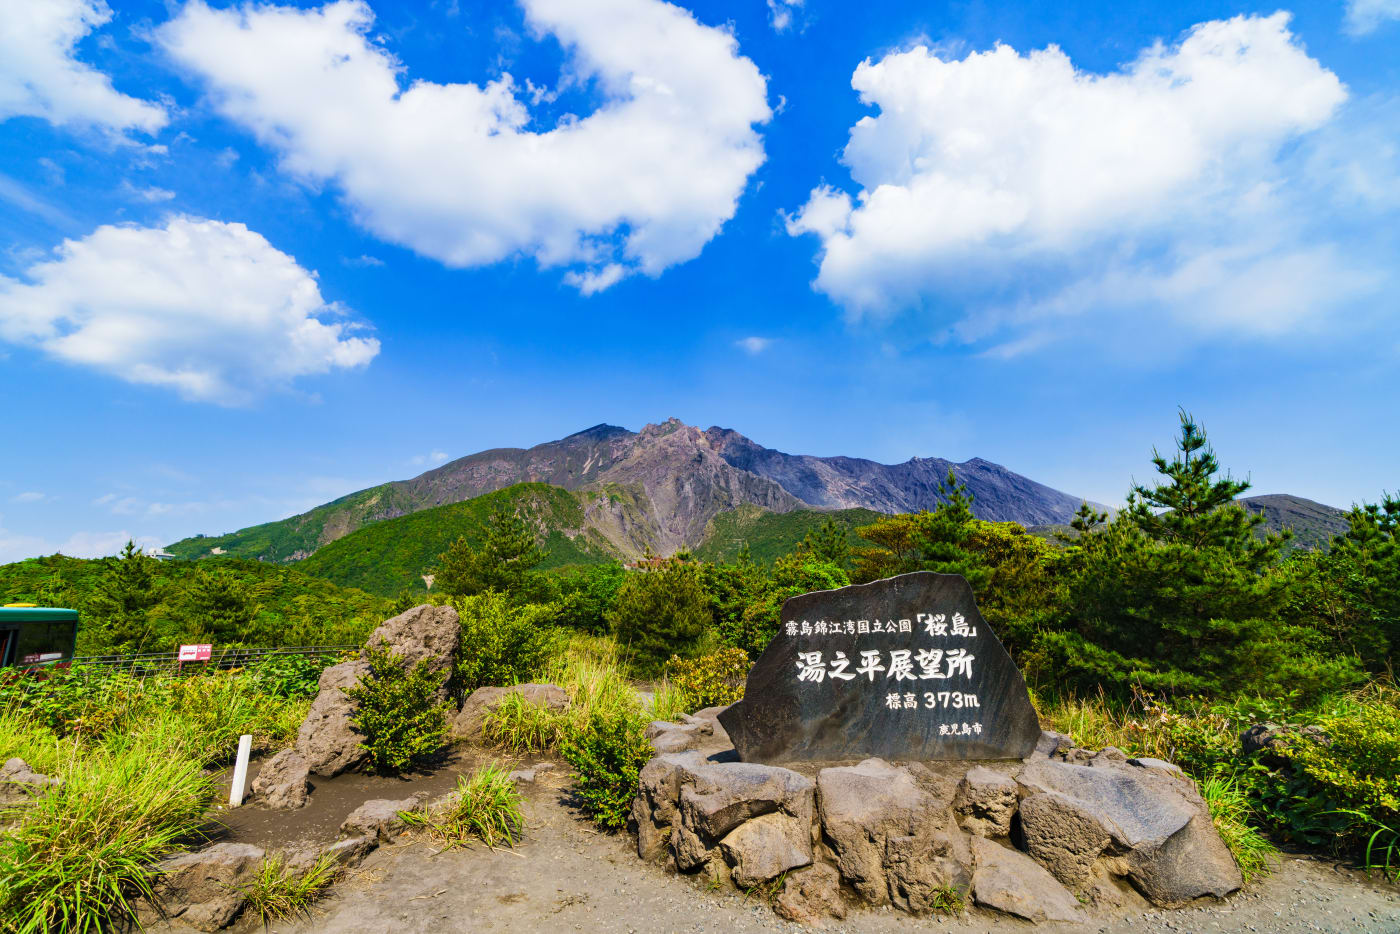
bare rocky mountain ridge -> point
(658, 488)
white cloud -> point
(209, 309)
(435, 457)
(15, 546)
(1017, 186)
(754, 345)
(781, 13)
(363, 260)
(1366, 16)
(150, 194)
(29, 496)
(460, 172)
(40, 77)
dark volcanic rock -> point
(904, 668)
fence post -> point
(240, 771)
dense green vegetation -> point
(770, 535)
(387, 558)
(299, 536)
(134, 603)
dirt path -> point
(565, 877)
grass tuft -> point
(80, 853)
(279, 892)
(486, 806)
(1230, 811)
(519, 726)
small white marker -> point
(240, 771)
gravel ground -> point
(565, 877)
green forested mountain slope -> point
(770, 535)
(394, 554)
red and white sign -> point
(196, 653)
(42, 657)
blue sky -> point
(254, 258)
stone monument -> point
(903, 668)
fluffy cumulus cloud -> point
(782, 12)
(1365, 16)
(41, 77)
(1022, 187)
(460, 172)
(206, 308)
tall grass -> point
(486, 806)
(1230, 812)
(80, 853)
(670, 702)
(591, 669)
(519, 726)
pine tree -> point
(122, 599)
(828, 543)
(505, 562)
(219, 605)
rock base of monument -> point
(1040, 838)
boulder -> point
(19, 782)
(327, 741)
(379, 818)
(696, 808)
(863, 808)
(716, 797)
(919, 867)
(767, 846)
(282, 781)
(1158, 826)
(204, 889)
(668, 736)
(986, 802)
(811, 895)
(469, 720)
(343, 853)
(1063, 836)
(1009, 881)
(425, 633)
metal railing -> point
(150, 662)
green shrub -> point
(519, 726)
(397, 711)
(607, 753)
(278, 892)
(485, 806)
(660, 610)
(502, 643)
(710, 680)
(82, 852)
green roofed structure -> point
(36, 635)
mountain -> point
(855, 483)
(659, 488)
(1313, 524)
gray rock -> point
(690, 852)
(1009, 881)
(204, 889)
(327, 740)
(986, 802)
(343, 853)
(1146, 762)
(1261, 736)
(656, 809)
(811, 895)
(19, 782)
(1063, 836)
(767, 846)
(378, 818)
(469, 720)
(282, 781)
(919, 867)
(1159, 827)
(862, 807)
(716, 797)
(425, 633)
(667, 736)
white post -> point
(240, 771)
